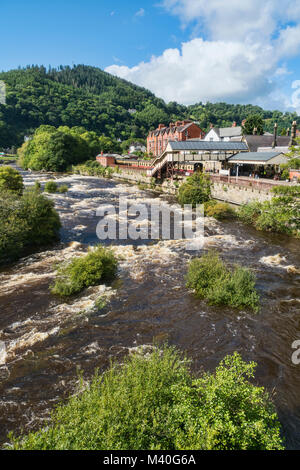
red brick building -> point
(106, 160)
(157, 140)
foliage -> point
(10, 179)
(281, 214)
(63, 189)
(219, 210)
(54, 149)
(51, 187)
(27, 223)
(196, 190)
(212, 280)
(154, 402)
(89, 270)
(37, 186)
(89, 98)
(93, 168)
(254, 122)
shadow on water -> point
(48, 340)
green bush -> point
(63, 189)
(219, 210)
(212, 280)
(196, 190)
(281, 214)
(285, 175)
(10, 179)
(37, 186)
(88, 270)
(93, 168)
(51, 187)
(27, 223)
(154, 402)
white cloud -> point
(239, 61)
(141, 12)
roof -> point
(254, 156)
(227, 131)
(172, 129)
(210, 146)
(266, 141)
(276, 149)
(230, 131)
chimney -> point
(101, 153)
(244, 122)
(275, 135)
(178, 123)
(294, 133)
(255, 131)
(288, 132)
(234, 124)
(212, 126)
(161, 126)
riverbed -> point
(48, 340)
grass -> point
(153, 402)
(63, 189)
(74, 276)
(213, 281)
(219, 210)
(51, 187)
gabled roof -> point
(227, 131)
(190, 145)
(254, 156)
(266, 141)
(230, 131)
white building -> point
(137, 147)
(225, 134)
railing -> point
(262, 184)
(159, 163)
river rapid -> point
(47, 340)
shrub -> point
(51, 187)
(37, 186)
(196, 190)
(63, 189)
(249, 213)
(281, 214)
(212, 280)
(285, 175)
(89, 270)
(154, 402)
(27, 222)
(10, 179)
(219, 210)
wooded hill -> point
(87, 96)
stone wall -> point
(239, 195)
(227, 192)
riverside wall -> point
(233, 192)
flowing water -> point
(48, 340)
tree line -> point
(87, 97)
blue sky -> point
(183, 50)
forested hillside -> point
(88, 97)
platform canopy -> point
(258, 158)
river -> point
(49, 340)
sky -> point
(236, 51)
